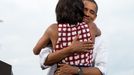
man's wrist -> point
(75, 71)
(80, 72)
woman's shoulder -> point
(52, 27)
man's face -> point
(89, 11)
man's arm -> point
(100, 57)
(97, 30)
(72, 70)
(43, 56)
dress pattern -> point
(66, 34)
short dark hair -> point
(94, 3)
(69, 11)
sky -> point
(22, 23)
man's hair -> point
(94, 3)
(69, 11)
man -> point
(99, 54)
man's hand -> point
(64, 69)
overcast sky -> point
(22, 22)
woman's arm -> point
(75, 47)
(43, 41)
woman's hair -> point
(70, 11)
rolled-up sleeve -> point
(100, 55)
(43, 56)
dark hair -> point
(69, 11)
(94, 3)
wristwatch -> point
(80, 72)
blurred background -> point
(22, 23)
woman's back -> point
(63, 35)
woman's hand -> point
(81, 47)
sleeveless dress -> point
(66, 34)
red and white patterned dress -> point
(66, 34)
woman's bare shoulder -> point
(53, 27)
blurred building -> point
(1, 20)
(5, 68)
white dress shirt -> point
(99, 56)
